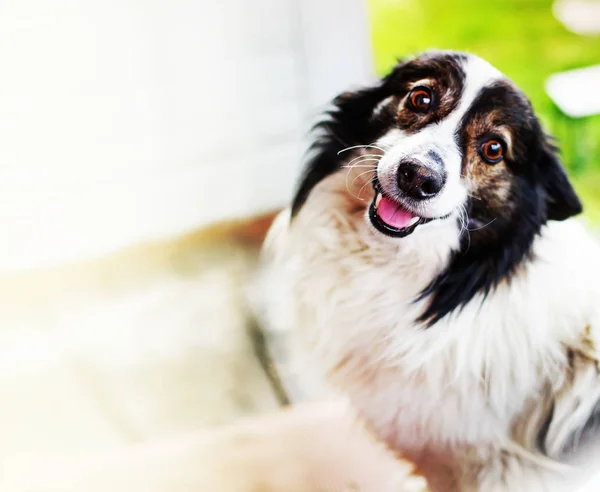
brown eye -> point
(492, 151)
(420, 99)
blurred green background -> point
(524, 40)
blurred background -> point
(144, 146)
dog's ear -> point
(348, 123)
(561, 200)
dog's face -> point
(453, 140)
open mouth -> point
(391, 218)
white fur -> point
(465, 398)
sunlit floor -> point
(143, 346)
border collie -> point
(429, 270)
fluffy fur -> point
(470, 345)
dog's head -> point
(451, 139)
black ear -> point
(349, 122)
(561, 200)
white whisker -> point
(370, 167)
(361, 161)
(485, 225)
(359, 164)
(361, 147)
(463, 218)
(464, 225)
(363, 187)
(362, 174)
(362, 156)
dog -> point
(431, 269)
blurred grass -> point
(522, 38)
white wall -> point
(123, 121)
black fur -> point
(349, 123)
(499, 239)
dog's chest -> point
(349, 307)
(356, 323)
(352, 314)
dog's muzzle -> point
(394, 213)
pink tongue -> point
(393, 214)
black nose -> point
(418, 181)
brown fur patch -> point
(446, 99)
(443, 75)
(490, 183)
(492, 116)
(585, 349)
